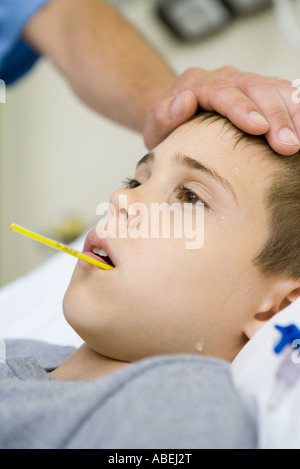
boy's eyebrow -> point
(191, 163)
(146, 159)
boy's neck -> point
(86, 365)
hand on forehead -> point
(255, 104)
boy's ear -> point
(279, 296)
(294, 294)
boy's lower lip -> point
(94, 256)
(94, 241)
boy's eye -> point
(183, 193)
(130, 183)
(187, 196)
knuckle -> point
(281, 84)
(191, 75)
(228, 70)
(247, 81)
(193, 71)
(280, 114)
(256, 81)
(220, 85)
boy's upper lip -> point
(94, 241)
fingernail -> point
(177, 106)
(287, 137)
(257, 118)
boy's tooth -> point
(99, 251)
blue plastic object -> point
(288, 335)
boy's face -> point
(163, 297)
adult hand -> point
(255, 104)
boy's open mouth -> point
(102, 254)
(98, 248)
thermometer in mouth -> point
(60, 247)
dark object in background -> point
(194, 19)
(246, 7)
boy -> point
(140, 379)
(164, 298)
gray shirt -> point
(177, 402)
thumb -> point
(168, 115)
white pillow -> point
(254, 372)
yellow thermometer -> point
(60, 247)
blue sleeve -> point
(16, 57)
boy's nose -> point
(125, 202)
(122, 198)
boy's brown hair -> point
(280, 254)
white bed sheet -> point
(254, 371)
(31, 306)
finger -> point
(282, 136)
(168, 115)
(216, 91)
(291, 98)
(228, 100)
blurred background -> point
(59, 159)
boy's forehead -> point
(206, 141)
(244, 163)
(218, 145)
(204, 135)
